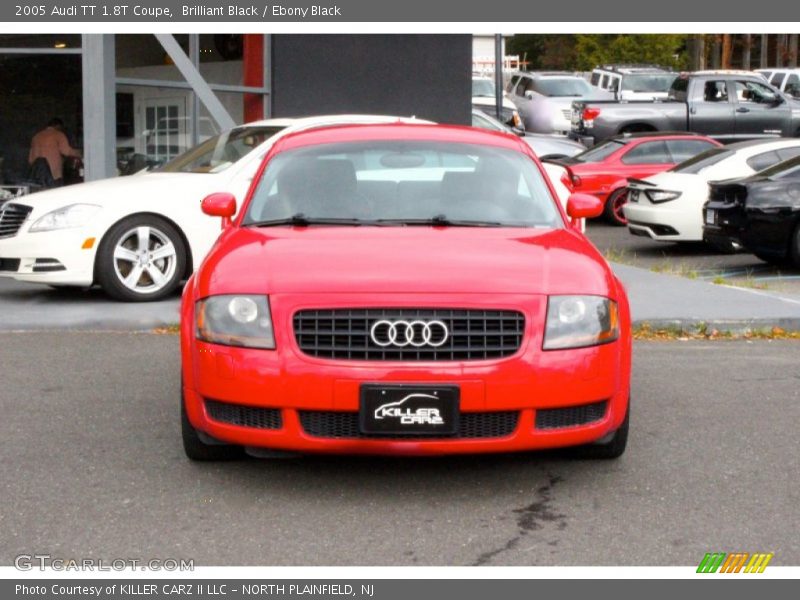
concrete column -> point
(99, 107)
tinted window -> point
(786, 169)
(702, 161)
(404, 180)
(787, 153)
(648, 83)
(777, 79)
(525, 84)
(480, 121)
(682, 150)
(648, 153)
(512, 83)
(679, 88)
(595, 78)
(763, 160)
(604, 82)
(599, 152)
(715, 91)
(793, 86)
(750, 92)
(218, 153)
(562, 88)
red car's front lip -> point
(291, 381)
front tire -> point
(141, 259)
(196, 449)
(612, 212)
(611, 449)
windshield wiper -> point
(441, 221)
(301, 220)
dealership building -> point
(131, 101)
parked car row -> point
(745, 195)
(729, 106)
(139, 237)
(605, 169)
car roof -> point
(723, 72)
(766, 145)
(398, 131)
(541, 74)
(633, 69)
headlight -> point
(661, 195)
(235, 320)
(579, 321)
(74, 215)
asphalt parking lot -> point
(93, 467)
(696, 261)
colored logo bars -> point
(735, 562)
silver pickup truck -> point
(725, 105)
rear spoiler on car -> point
(569, 179)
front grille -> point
(12, 216)
(345, 334)
(9, 264)
(244, 416)
(344, 425)
(557, 418)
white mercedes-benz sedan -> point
(138, 237)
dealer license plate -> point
(401, 409)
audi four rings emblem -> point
(417, 333)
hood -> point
(490, 102)
(115, 189)
(403, 260)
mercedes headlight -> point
(580, 321)
(74, 215)
(657, 196)
(235, 320)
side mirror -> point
(529, 94)
(221, 204)
(518, 131)
(584, 206)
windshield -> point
(563, 87)
(787, 168)
(702, 161)
(483, 88)
(220, 152)
(599, 152)
(648, 83)
(403, 183)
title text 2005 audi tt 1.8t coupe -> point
(399, 289)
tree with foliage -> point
(583, 52)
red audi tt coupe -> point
(403, 289)
(604, 169)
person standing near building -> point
(50, 146)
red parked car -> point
(403, 289)
(604, 169)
